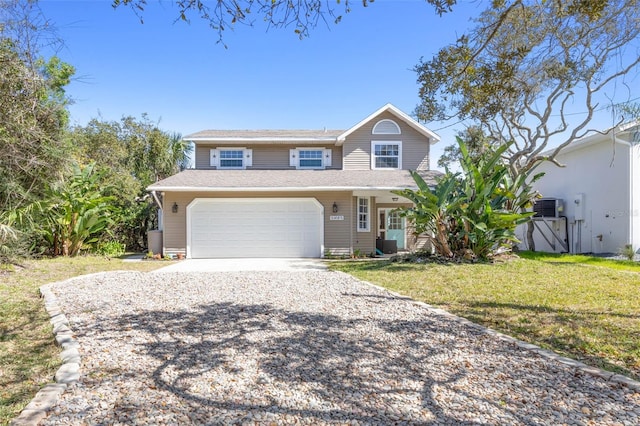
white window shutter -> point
(293, 158)
(327, 157)
(248, 157)
(214, 156)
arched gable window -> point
(386, 127)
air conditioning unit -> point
(548, 207)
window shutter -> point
(248, 157)
(292, 158)
(327, 157)
(214, 155)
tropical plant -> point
(132, 153)
(473, 213)
(8, 236)
(72, 216)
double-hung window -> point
(310, 158)
(386, 155)
(363, 214)
(230, 158)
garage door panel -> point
(255, 228)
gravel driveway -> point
(310, 347)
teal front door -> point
(394, 227)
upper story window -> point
(230, 158)
(386, 127)
(310, 158)
(386, 155)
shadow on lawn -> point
(564, 339)
(358, 374)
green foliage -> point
(132, 154)
(470, 214)
(628, 252)
(478, 144)
(32, 122)
(110, 249)
(8, 237)
(524, 62)
(302, 15)
(72, 216)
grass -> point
(583, 307)
(28, 354)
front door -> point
(392, 227)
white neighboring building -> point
(600, 192)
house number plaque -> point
(336, 217)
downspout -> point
(351, 229)
(157, 200)
(160, 212)
(632, 161)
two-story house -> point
(302, 193)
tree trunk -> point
(530, 242)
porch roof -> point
(291, 180)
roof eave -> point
(261, 140)
(433, 138)
(275, 189)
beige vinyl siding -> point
(357, 146)
(267, 157)
(336, 233)
(364, 241)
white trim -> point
(404, 224)
(433, 138)
(296, 159)
(277, 189)
(368, 227)
(269, 140)
(226, 148)
(386, 120)
(373, 156)
(253, 199)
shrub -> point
(110, 249)
(628, 252)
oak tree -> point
(527, 68)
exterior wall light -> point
(335, 207)
(174, 207)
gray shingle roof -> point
(293, 180)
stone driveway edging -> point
(69, 371)
(594, 371)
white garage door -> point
(251, 227)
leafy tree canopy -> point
(474, 140)
(525, 63)
(302, 15)
(131, 154)
(33, 107)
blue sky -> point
(177, 73)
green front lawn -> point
(582, 307)
(28, 354)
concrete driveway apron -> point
(245, 265)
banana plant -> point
(474, 212)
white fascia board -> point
(587, 141)
(433, 138)
(262, 140)
(276, 189)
